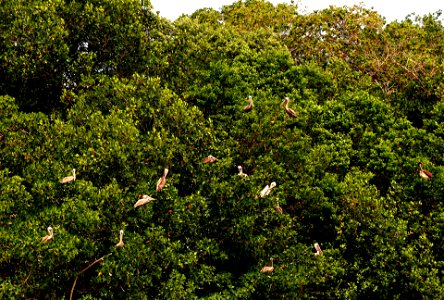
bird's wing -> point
(264, 191)
(428, 173)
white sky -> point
(390, 9)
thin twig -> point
(27, 277)
(89, 266)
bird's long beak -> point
(282, 103)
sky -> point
(390, 9)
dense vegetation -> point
(110, 89)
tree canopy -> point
(107, 94)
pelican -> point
(69, 178)
(162, 180)
(268, 269)
(209, 159)
(426, 175)
(241, 173)
(250, 105)
(120, 243)
(318, 249)
(144, 200)
(49, 237)
(278, 208)
(288, 110)
(266, 190)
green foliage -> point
(113, 91)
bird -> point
(209, 159)
(144, 200)
(278, 208)
(221, 21)
(241, 173)
(266, 190)
(69, 178)
(49, 237)
(288, 110)
(249, 106)
(268, 269)
(162, 180)
(426, 175)
(318, 249)
(120, 243)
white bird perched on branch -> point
(288, 110)
(266, 190)
(250, 104)
(241, 173)
(120, 243)
(49, 237)
(144, 200)
(162, 180)
(209, 159)
(69, 178)
(268, 269)
(318, 249)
